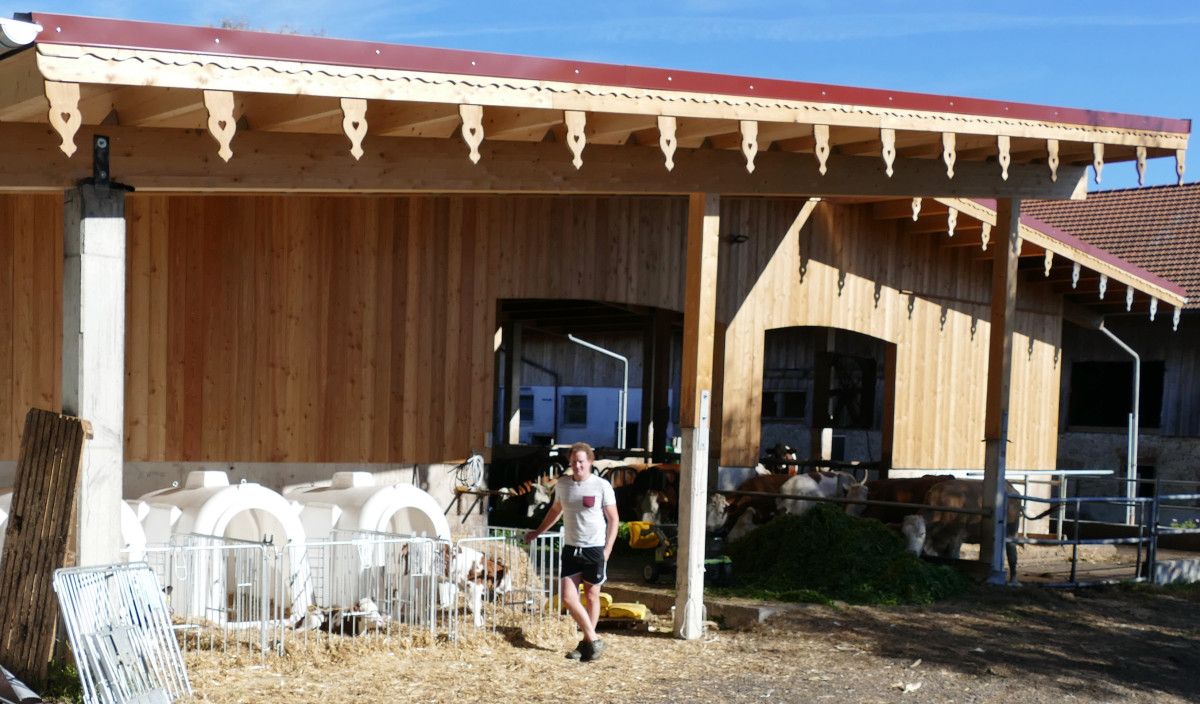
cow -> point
(764, 507)
(946, 531)
(652, 496)
(902, 490)
(829, 484)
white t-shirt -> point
(584, 524)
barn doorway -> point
(827, 393)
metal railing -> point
(225, 594)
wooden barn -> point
(1158, 229)
(282, 255)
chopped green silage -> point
(826, 555)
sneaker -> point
(594, 652)
(577, 653)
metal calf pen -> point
(225, 594)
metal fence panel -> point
(120, 631)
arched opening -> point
(828, 394)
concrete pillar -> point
(93, 359)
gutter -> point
(17, 34)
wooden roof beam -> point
(22, 89)
(182, 160)
(691, 133)
(291, 113)
(399, 119)
(163, 107)
(617, 128)
(520, 124)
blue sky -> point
(1139, 57)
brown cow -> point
(902, 490)
(764, 507)
(946, 531)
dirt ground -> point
(1002, 644)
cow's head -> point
(718, 508)
(858, 492)
(913, 530)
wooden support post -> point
(656, 384)
(699, 322)
(93, 365)
(889, 410)
(513, 346)
(39, 539)
(1004, 303)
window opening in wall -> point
(1146, 476)
(526, 408)
(575, 409)
(784, 405)
(1101, 395)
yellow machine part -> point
(627, 610)
(642, 535)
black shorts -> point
(588, 562)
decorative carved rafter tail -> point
(749, 142)
(576, 120)
(1175, 318)
(1180, 164)
(1103, 285)
(1052, 158)
(221, 125)
(64, 112)
(1098, 159)
(666, 139)
(948, 152)
(1003, 143)
(821, 148)
(985, 236)
(916, 208)
(1128, 298)
(951, 221)
(472, 128)
(1153, 308)
(888, 137)
(354, 123)
(1049, 261)
(1075, 271)
(1141, 165)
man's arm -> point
(610, 515)
(550, 519)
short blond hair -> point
(582, 447)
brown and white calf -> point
(945, 531)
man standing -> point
(588, 507)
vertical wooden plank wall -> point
(31, 264)
(841, 268)
(360, 329)
(357, 329)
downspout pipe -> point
(1131, 469)
(622, 405)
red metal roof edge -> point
(1091, 249)
(129, 34)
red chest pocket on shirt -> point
(589, 501)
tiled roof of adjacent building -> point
(1156, 228)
